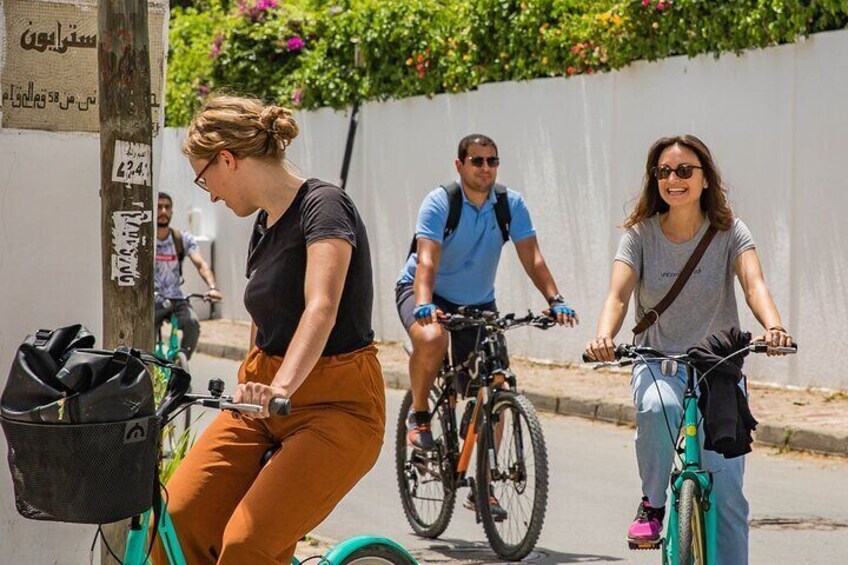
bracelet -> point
(213, 288)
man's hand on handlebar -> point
(214, 295)
(426, 314)
(602, 348)
(563, 314)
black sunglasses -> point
(201, 182)
(682, 171)
(478, 161)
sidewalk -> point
(789, 419)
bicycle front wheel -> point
(691, 549)
(518, 480)
(425, 480)
(377, 554)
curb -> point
(782, 437)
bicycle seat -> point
(269, 454)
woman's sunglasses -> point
(682, 171)
(478, 161)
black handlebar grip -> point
(587, 359)
(279, 407)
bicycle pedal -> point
(644, 545)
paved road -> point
(799, 503)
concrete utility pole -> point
(126, 189)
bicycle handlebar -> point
(625, 354)
(277, 407)
(471, 317)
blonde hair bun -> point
(280, 123)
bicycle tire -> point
(691, 546)
(526, 427)
(376, 554)
(410, 478)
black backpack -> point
(502, 213)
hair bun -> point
(279, 123)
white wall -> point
(774, 119)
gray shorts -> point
(463, 342)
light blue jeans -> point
(655, 456)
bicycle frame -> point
(691, 470)
(173, 341)
(490, 386)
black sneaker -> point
(498, 512)
(419, 434)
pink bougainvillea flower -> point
(297, 96)
(646, 2)
(216, 47)
(295, 44)
(569, 70)
(661, 6)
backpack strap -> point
(648, 319)
(178, 244)
(454, 192)
(502, 213)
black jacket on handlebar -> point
(728, 421)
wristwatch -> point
(556, 298)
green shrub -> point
(425, 47)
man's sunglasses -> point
(682, 171)
(199, 180)
(478, 161)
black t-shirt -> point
(276, 269)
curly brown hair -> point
(713, 199)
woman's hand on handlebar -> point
(776, 336)
(214, 295)
(258, 393)
(602, 348)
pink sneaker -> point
(646, 530)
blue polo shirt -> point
(470, 255)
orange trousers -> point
(229, 509)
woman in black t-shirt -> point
(309, 294)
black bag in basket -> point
(81, 429)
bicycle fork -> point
(704, 495)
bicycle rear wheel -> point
(425, 481)
(520, 480)
(691, 549)
(377, 554)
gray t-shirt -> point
(166, 274)
(707, 302)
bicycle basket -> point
(86, 473)
(81, 429)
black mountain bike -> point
(512, 460)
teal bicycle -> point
(169, 350)
(691, 531)
(362, 550)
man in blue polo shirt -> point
(446, 271)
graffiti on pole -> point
(127, 237)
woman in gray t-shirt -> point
(682, 195)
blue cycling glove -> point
(424, 311)
(558, 308)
